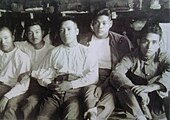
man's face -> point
(6, 40)
(68, 32)
(150, 44)
(101, 26)
(35, 34)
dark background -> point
(15, 12)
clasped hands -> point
(60, 87)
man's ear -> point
(13, 37)
(111, 23)
(91, 26)
(77, 31)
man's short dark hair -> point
(63, 19)
(32, 23)
(66, 18)
(152, 28)
(104, 11)
(3, 27)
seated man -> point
(142, 77)
(67, 69)
(34, 46)
(14, 75)
(108, 47)
(37, 50)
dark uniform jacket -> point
(143, 72)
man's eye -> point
(29, 33)
(61, 30)
(154, 42)
(144, 41)
(96, 23)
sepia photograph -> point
(84, 59)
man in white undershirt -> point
(14, 75)
(35, 46)
(102, 50)
(109, 47)
(37, 50)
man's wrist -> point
(5, 97)
(154, 87)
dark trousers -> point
(131, 104)
(101, 96)
(10, 112)
(30, 105)
(67, 107)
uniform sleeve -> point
(90, 74)
(164, 78)
(118, 76)
(22, 85)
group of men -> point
(85, 77)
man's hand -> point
(145, 98)
(65, 86)
(91, 114)
(52, 86)
(22, 76)
(3, 103)
(137, 89)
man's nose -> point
(100, 25)
(66, 32)
(149, 45)
(3, 41)
(33, 35)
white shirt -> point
(36, 55)
(12, 65)
(101, 48)
(47, 39)
(76, 61)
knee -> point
(29, 104)
(32, 100)
(12, 104)
(90, 89)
